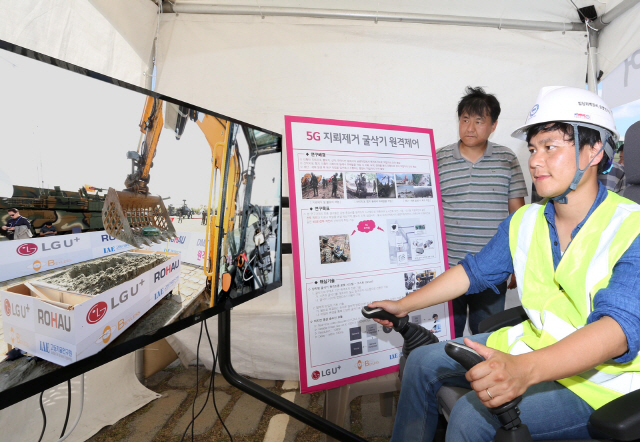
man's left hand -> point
(513, 283)
(504, 376)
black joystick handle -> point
(414, 335)
(508, 414)
(462, 354)
(378, 313)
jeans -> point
(550, 410)
(481, 306)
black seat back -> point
(632, 162)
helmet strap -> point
(562, 199)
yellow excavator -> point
(136, 217)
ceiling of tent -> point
(615, 42)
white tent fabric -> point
(111, 392)
(619, 40)
(258, 70)
(622, 86)
(73, 31)
(137, 26)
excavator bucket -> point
(136, 219)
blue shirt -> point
(620, 299)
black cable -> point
(201, 409)
(210, 390)
(44, 417)
(213, 370)
(193, 406)
(66, 419)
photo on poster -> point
(409, 241)
(434, 319)
(386, 184)
(361, 185)
(414, 185)
(416, 280)
(322, 185)
(334, 249)
(435, 325)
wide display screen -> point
(190, 200)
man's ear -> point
(493, 126)
(596, 153)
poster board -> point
(367, 225)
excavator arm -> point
(142, 160)
(132, 215)
(138, 218)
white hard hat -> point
(568, 105)
(578, 107)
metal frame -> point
(264, 395)
(376, 16)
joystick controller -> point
(512, 430)
(414, 335)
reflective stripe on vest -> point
(559, 302)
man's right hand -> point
(393, 307)
(4, 227)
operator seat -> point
(626, 407)
(632, 163)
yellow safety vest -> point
(559, 301)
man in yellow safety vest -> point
(576, 257)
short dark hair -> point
(48, 223)
(621, 148)
(587, 136)
(13, 210)
(477, 102)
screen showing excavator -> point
(146, 214)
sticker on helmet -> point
(534, 110)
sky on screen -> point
(63, 129)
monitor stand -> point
(266, 396)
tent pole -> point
(616, 12)
(202, 8)
(592, 61)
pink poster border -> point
(288, 120)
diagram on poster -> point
(366, 225)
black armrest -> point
(619, 419)
(510, 317)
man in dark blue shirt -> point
(48, 229)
